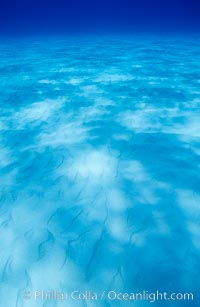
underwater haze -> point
(69, 16)
(99, 154)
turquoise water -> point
(99, 156)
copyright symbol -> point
(27, 295)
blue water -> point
(100, 178)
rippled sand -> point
(100, 176)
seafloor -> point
(100, 176)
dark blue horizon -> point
(20, 16)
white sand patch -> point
(48, 82)
(39, 111)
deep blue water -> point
(50, 16)
(100, 156)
